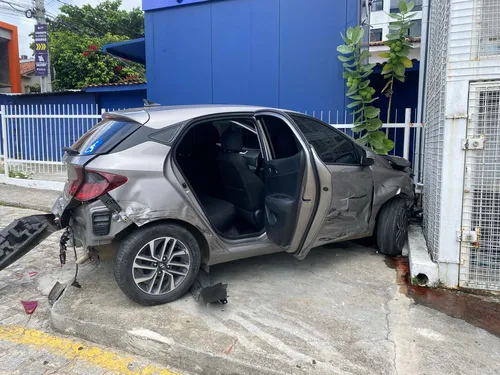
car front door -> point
(350, 208)
(295, 188)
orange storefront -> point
(10, 70)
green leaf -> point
(357, 34)
(394, 26)
(403, 7)
(347, 65)
(391, 36)
(371, 112)
(410, 6)
(399, 78)
(366, 74)
(364, 55)
(353, 104)
(345, 49)
(357, 111)
(387, 68)
(346, 41)
(369, 66)
(407, 62)
(385, 55)
(345, 59)
(410, 15)
(364, 84)
(362, 140)
(395, 16)
(346, 74)
(399, 69)
(388, 144)
(359, 119)
(359, 128)
(357, 97)
(374, 124)
(349, 33)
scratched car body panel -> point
(212, 184)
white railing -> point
(33, 137)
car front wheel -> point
(392, 227)
(157, 264)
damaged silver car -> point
(177, 189)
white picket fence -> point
(33, 137)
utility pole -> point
(45, 81)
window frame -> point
(356, 148)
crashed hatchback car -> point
(180, 188)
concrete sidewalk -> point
(338, 311)
(35, 199)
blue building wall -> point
(262, 52)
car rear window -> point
(104, 136)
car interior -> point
(223, 163)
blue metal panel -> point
(179, 55)
(157, 4)
(310, 72)
(245, 47)
(121, 99)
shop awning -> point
(133, 50)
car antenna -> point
(149, 103)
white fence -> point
(33, 137)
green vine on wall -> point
(399, 50)
(357, 72)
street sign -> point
(41, 51)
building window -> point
(416, 29)
(488, 33)
(395, 6)
(377, 5)
(375, 35)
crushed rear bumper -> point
(23, 235)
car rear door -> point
(294, 186)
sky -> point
(26, 26)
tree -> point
(76, 37)
(104, 18)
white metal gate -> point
(480, 249)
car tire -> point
(392, 227)
(135, 263)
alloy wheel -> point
(161, 265)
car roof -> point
(158, 117)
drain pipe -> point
(419, 141)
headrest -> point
(232, 140)
(206, 134)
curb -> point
(29, 206)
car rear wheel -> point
(392, 227)
(157, 264)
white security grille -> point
(487, 27)
(480, 258)
(434, 120)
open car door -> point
(293, 185)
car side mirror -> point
(367, 158)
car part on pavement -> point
(392, 227)
(157, 263)
(204, 292)
(23, 235)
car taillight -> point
(94, 185)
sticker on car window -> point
(89, 150)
